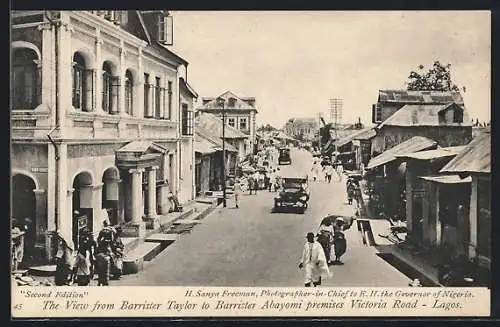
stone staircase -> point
(138, 251)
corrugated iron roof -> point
(447, 179)
(416, 143)
(212, 123)
(363, 134)
(216, 141)
(435, 97)
(433, 154)
(474, 158)
(239, 103)
(202, 145)
(423, 115)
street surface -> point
(251, 246)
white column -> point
(152, 192)
(151, 95)
(136, 195)
(138, 103)
(48, 92)
(51, 189)
(121, 72)
(66, 224)
(97, 223)
(65, 58)
(64, 217)
(163, 95)
(473, 220)
(98, 73)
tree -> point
(437, 78)
(266, 128)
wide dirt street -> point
(251, 246)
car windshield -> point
(294, 183)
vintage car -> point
(293, 194)
(284, 156)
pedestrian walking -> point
(237, 191)
(328, 169)
(325, 237)
(314, 262)
(272, 181)
(84, 262)
(256, 181)
(338, 169)
(315, 171)
(64, 260)
(250, 184)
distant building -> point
(401, 115)
(240, 113)
(390, 101)
(213, 125)
(305, 128)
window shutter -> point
(115, 87)
(165, 29)
(161, 29)
(165, 107)
(88, 99)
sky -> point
(294, 62)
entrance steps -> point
(137, 250)
(133, 261)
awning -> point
(447, 179)
(415, 144)
(434, 154)
(474, 158)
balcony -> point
(30, 124)
(89, 125)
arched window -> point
(129, 92)
(109, 89)
(83, 84)
(26, 92)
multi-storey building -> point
(239, 112)
(102, 122)
(302, 128)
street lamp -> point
(221, 102)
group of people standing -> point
(270, 180)
(328, 168)
(104, 257)
(324, 249)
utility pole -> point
(221, 104)
(336, 113)
(319, 131)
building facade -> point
(240, 113)
(213, 125)
(96, 121)
(447, 124)
(302, 128)
(474, 162)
